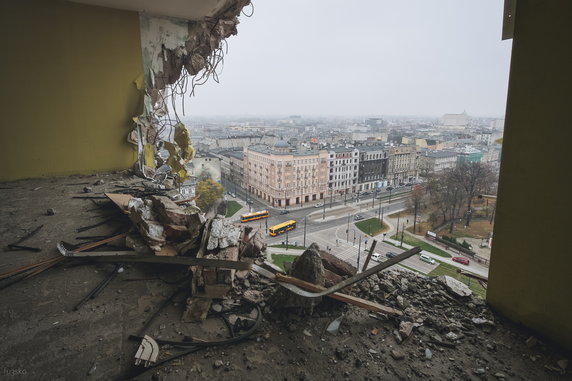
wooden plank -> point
(362, 303)
(99, 243)
(178, 260)
(121, 200)
(369, 255)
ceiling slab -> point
(183, 9)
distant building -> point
(372, 167)
(282, 177)
(497, 124)
(207, 165)
(360, 136)
(469, 155)
(436, 161)
(238, 140)
(343, 170)
(454, 121)
(491, 157)
(232, 166)
(402, 164)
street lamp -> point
(304, 231)
(348, 230)
(358, 253)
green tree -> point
(208, 191)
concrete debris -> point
(405, 328)
(455, 287)
(307, 267)
(428, 354)
(452, 336)
(51, 212)
(143, 217)
(223, 234)
(531, 342)
(397, 354)
(334, 326)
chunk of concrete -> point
(454, 286)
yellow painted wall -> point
(530, 277)
(66, 87)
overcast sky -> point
(367, 57)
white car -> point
(376, 257)
(318, 205)
(426, 258)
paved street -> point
(333, 229)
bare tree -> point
(417, 196)
(447, 195)
(472, 178)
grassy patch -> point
(289, 247)
(371, 226)
(478, 229)
(420, 229)
(450, 270)
(280, 259)
(232, 207)
(424, 245)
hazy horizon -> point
(325, 59)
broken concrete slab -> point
(168, 212)
(455, 287)
(405, 328)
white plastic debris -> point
(147, 352)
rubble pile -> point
(210, 285)
(430, 306)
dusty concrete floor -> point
(42, 338)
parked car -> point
(249, 201)
(284, 211)
(358, 217)
(461, 260)
(390, 254)
(376, 257)
(365, 193)
(318, 205)
(389, 188)
(233, 194)
(426, 258)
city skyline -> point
(382, 59)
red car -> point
(461, 260)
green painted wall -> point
(66, 85)
(531, 269)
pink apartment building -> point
(284, 178)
